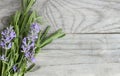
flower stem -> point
(3, 67)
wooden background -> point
(92, 44)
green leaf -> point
(25, 19)
(15, 22)
(29, 6)
(57, 34)
(39, 20)
(16, 17)
(30, 67)
(31, 18)
(46, 42)
(24, 4)
(38, 40)
(62, 35)
(45, 32)
(37, 50)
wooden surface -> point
(92, 44)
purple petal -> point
(9, 46)
(27, 54)
(3, 58)
(15, 68)
(33, 59)
(35, 27)
(7, 35)
(2, 44)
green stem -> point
(3, 67)
(0, 62)
(16, 74)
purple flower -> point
(33, 33)
(7, 36)
(32, 59)
(35, 28)
(28, 48)
(6, 46)
(14, 68)
(3, 44)
(30, 56)
(3, 58)
(27, 45)
(32, 37)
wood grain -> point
(103, 69)
(82, 16)
(82, 49)
(91, 47)
(81, 55)
(7, 7)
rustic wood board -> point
(92, 44)
(81, 55)
(82, 16)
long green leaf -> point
(30, 67)
(45, 32)
(49, 39)
(29, 6)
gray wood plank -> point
(86, 42)
(88, 49)
(82, 16)
(81, 55)
(7, 7)
(74, 16)
(79, 70)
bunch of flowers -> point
(22, 40)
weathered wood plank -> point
(7, 7)
(82, 16)
(100, 56)
(79, 70)
(74, 16)
(83, 49)
(87, 42)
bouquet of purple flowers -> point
(22, 40)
